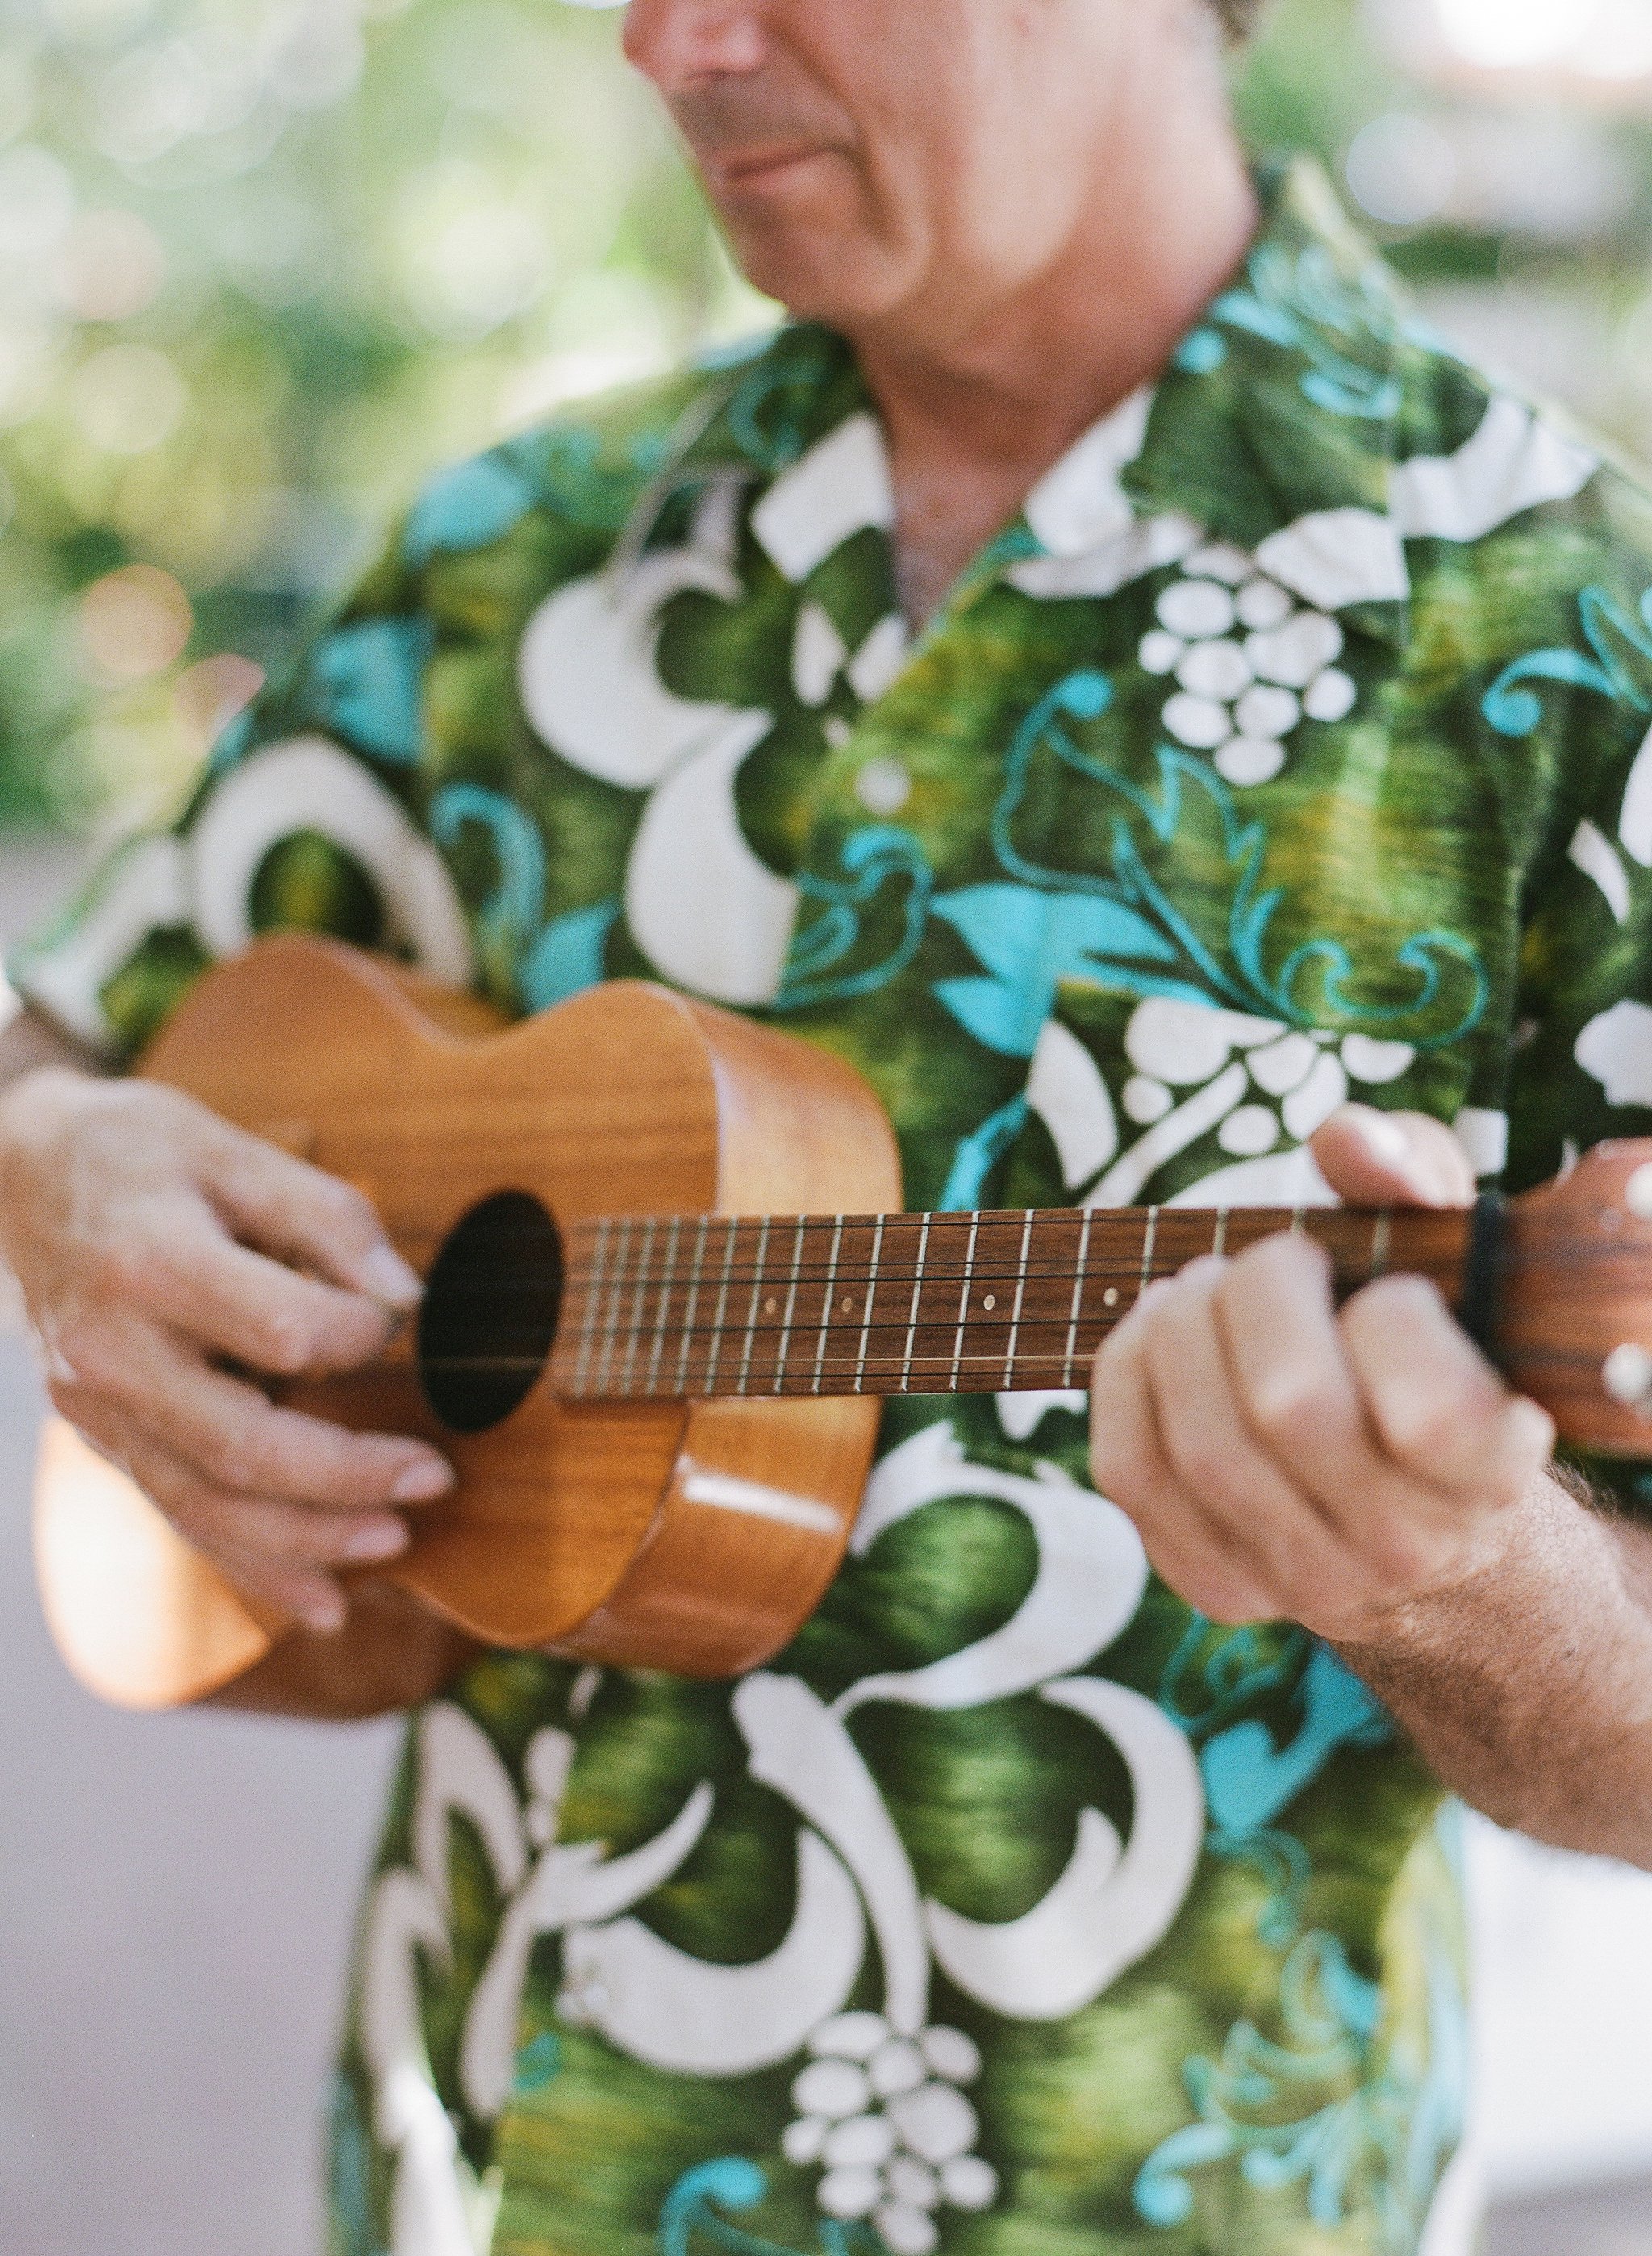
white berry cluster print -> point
(1250, 663)
(884, 2115)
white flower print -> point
(1263, 1087)
(1250, 663)
(883, 2114)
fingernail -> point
(388, 1278)
(422, 1481)
(325, 1613)
(383, 1539)
(1384, 1138)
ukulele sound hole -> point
(489, 1313)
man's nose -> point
(680, 44)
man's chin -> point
(840, 282)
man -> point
(1108, 673)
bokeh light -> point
(265, 263)
(134, 623)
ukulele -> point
(667, 1283)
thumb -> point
(1393, 1159)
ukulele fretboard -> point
(684, 1307)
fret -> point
(693, 1302)
(637, 1306)
(1020, 1295)
(1148, 1245)
(830, 1295)
(758, 1259)
(616, 1297)
(963, 1299)
(871, 1294)
(791, 1302)
(666, 1282)
(918, 1295)
(1080, 1274)
(592, 1293)
(911, 1304)
(722, 1306)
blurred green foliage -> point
(264, 262)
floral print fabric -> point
(1292, 745)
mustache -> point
(721, 119)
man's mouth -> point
(744, 172)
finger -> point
(237, 1438)
(1441, 1410)
(269, 1530)
(1129, 1466)
(270, 1548)
(1295, 1384)
(178, 1263)
(1393, 1159)
(1245, 1498)
(280, 1575)
(300, 1213)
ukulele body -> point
(693, 1538)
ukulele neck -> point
(698, 1307)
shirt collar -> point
(1277, 415)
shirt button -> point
(883, 786)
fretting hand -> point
(154, 1244)
(1285, 1460)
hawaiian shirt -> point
(1291, 744)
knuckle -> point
(1419, 1427)
(1286, 1405)
(286, 1340)
(227, 1452)
(1400, 1558)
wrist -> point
(1430, 1610)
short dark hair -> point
(1239, 18)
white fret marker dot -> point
(1637, 1193)
(991, 1300)
(769, 1307)
(1110, 1298)
(848, 1303)
(1626, 1375)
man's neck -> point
(974, 419)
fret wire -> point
(664, 1304)
(827, 1298)
(963, 1298)
(756, 1292)
(918, 1292)
(791, 1302)
(616, 1297)
(1021, 1295)
(722, 1306)
(1381, 1232)
(1219, 1243)
(1440, 1263)
(1078, 1276)
(871, 1294)
(636, 1305)
(693, 1298)
(587, 1329)
(1147, 1250)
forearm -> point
(1528, 1687)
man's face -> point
(917, 158)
